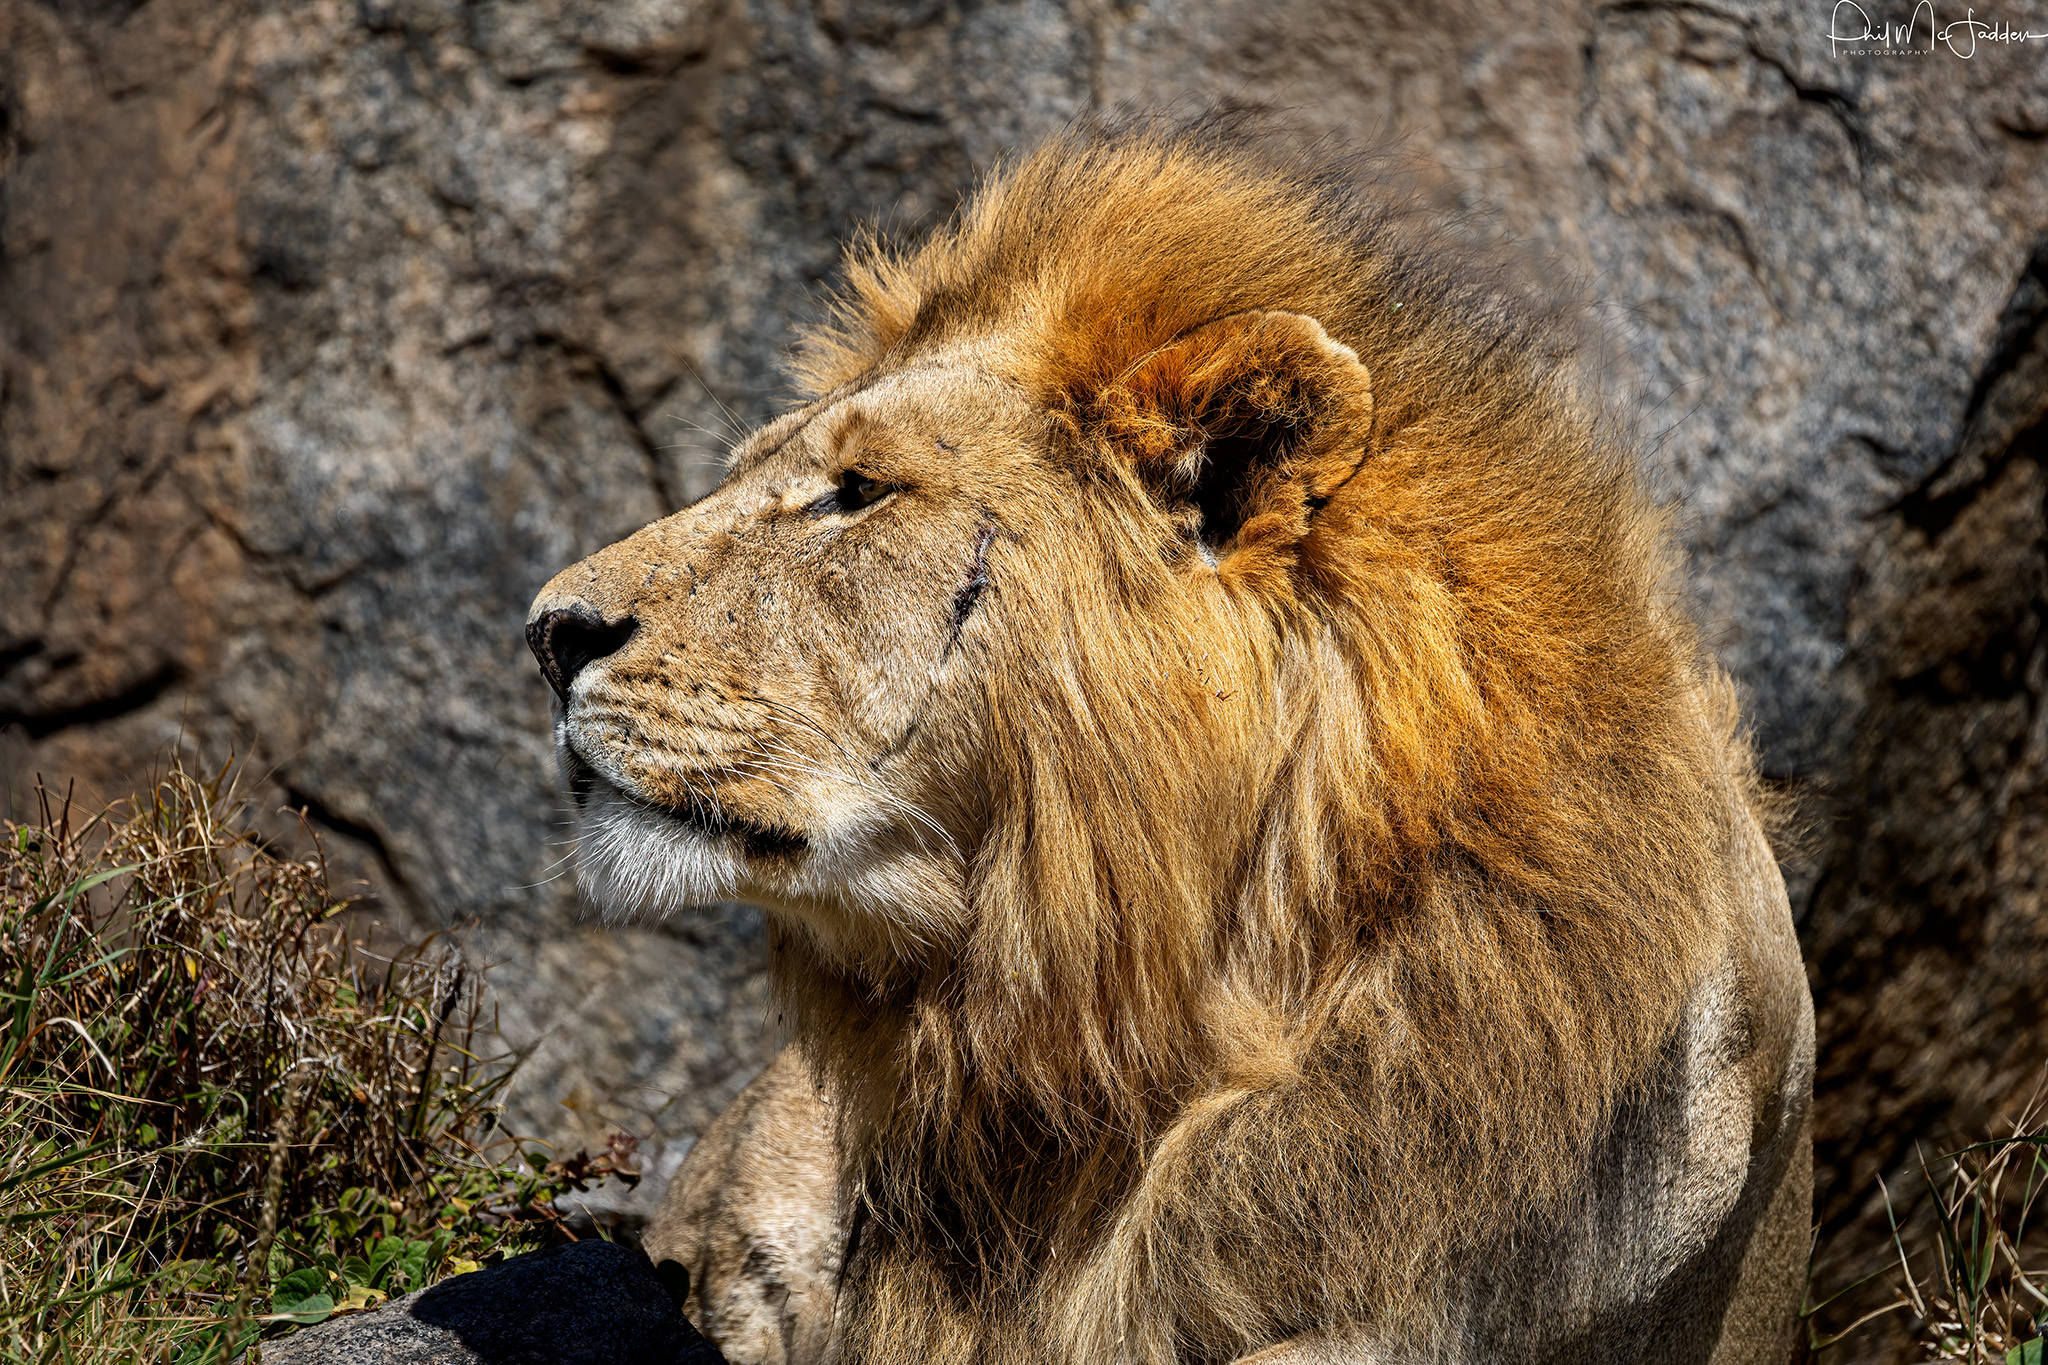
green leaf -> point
(381, 1256)
(85, 884)
(71, 1158)
(302, 1296)
(414, 1263)
(206, 1347)
(2028, 1354)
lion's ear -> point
(1244, 426)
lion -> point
(1258, 863)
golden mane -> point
(1389, 873)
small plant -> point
(1964, 1280)
(224, 1118)
(1982, 1299)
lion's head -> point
(1179, 598)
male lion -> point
(1257, 866)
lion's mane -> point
(1224, 1059)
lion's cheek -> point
(882, 669)
(876, 905)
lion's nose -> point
(567, 639)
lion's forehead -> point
(935, 409)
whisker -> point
(791, 713)
(739, 427)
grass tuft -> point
(1962, 1282)
(224, 1117)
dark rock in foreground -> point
(588, 1303)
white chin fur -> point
(632, 862)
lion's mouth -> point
(756, 839)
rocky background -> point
(330, 329)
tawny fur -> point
(1317, 907)
(1360, 972)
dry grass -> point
(218, 1107)
(1963, 1283)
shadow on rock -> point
(588, 1303)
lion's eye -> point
(855, 490)
(851, 492)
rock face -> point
(588, 1303)
(329, 330)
